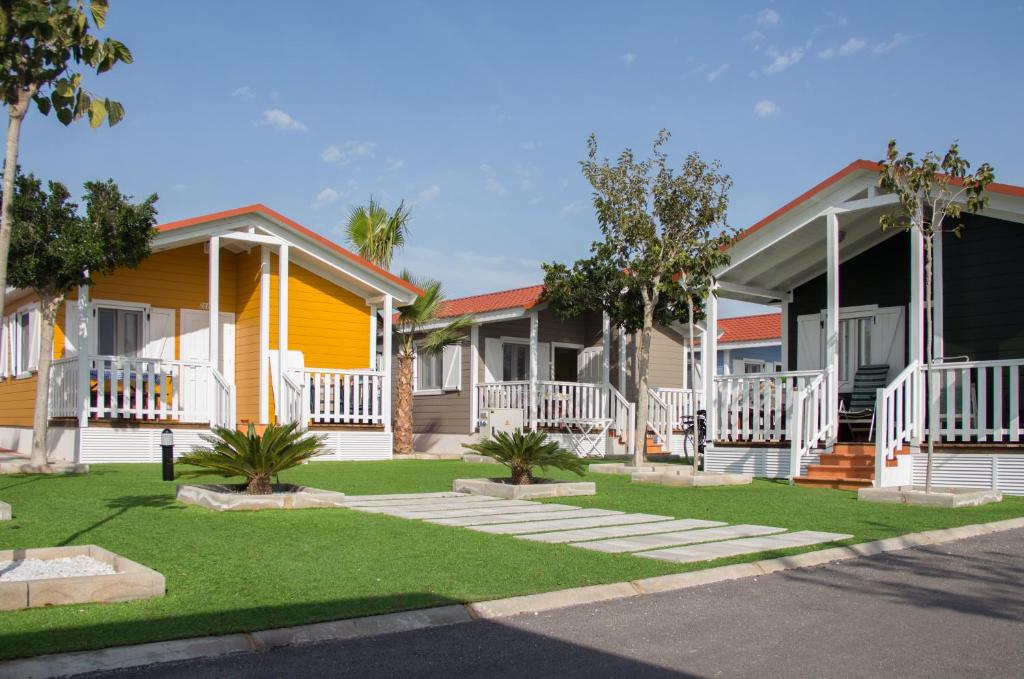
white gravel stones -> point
(39, 569)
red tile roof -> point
(757, 328)
(516, 298)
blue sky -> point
(477, 113)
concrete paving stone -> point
(559, 523)
(425, 504)
(467, 521)
(719, 550)
(406, 496)
(483, 511)
(466, 499)
(583, 534)
(404, 510)
(688, 537)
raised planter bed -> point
(626, 468)
(941, 496)
(540, 488)
(678, 475)
(129, 580)
(228, 497)
(478, 459)
(5, 511)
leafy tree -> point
(659, 228)
(932, 192)
(522, 453)
(55, 248)
(376, 233)
(251, 456)
(410, 325)
(45, 44)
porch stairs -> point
(655, 451)
(848, 467)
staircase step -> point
(839, 484)
(854, 449)
(835, 460)
(821, 471)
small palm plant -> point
(521, 453)
(255, 457)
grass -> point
(229, 572)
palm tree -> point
(521, 453)
(407, 327)
(376, 233)
(254, 457)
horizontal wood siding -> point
(879, 276)
(984, 290)
(666, 363)
(247, 335)
(446, 413)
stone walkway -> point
(604, 530)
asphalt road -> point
(948, 611)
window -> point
(515, 362)
(752, 366)
(854, 345)
(119, 332)
(567, 364)
(428, 372)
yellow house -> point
(297, 324)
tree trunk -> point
(929, 348)
(17, 115)
(643, 355)
(403, 406)
(521, 476)
(259, 485)
(48, 305)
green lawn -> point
(246, 571)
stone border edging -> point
(121, 657)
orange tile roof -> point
(516, 298)
(756, 328)
(259, 208)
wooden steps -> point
(848, 467)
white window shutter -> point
(161, 334)
(808, 343)
(543, 361)
(451, 367)
(887, 339)
(70, 327)
(34, 324)
(492, 360)
(4, 347)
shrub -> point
(521, 453)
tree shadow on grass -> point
(8, 481)
(123, 504)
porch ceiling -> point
(799, 256)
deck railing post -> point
(83, 357)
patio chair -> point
(860, 414)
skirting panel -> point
(356, 445)
(767, 463)
(1002, 472)
(116, 444)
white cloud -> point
(883, 47)
(628, 58)
(244, 91)
(713, 75)
(768, 17)
(464, 272)
(530, 145)
(766, 109)
(755, 38)
(430, 193)
(783, 60)
(279, 120)
(325, 197)
(491, 182)
(572, 208)
(848, 48)
(394, 163)
(348, 151)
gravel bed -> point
(39, 569)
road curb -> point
(122, 657)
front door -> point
(195, 347)
(564, 363)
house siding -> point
(982, 290)
(446, 413)
(665, 367)
(879, 276)
(247, 335)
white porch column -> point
(709, 356)
(386, 360)
(832, 317)
(727, 362)
(785, 335)
(373, 337)
(606, 349)
(474, 376)
(264, 371)
(915, 322)
(282, 321)
(686, 367)
(938, 306)
(622, 361)
(214, 304)
(82, 347)
(534, 327)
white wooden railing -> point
(623, 417)
(293, 406)
(64, 387)
(752, 407)
(222, 414)
(810, 420)
(149, 389)
(659, 417)
(680, 403)
(344, 396)
(504, 395)
(977, 401)
(899, 418)
(560, 401)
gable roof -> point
(260, 209)
(516, 298)
(744, 329)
